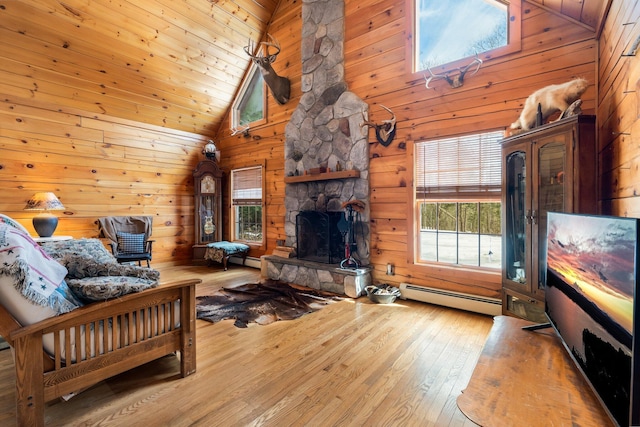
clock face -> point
(207, 185)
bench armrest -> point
(99, 310)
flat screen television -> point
(591, 291)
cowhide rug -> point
(262, 303)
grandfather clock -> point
(207, 184)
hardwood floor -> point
(352, 363)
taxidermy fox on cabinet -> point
(552, 98)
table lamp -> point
(45, 223)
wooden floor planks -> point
(351, 363)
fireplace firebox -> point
(318, 237)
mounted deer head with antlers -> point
(280, 86)
(456, 80)
(386, 131)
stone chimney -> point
(324, 130)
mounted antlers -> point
(457, 80)
(244, 131)
(280, 86)
(384, 132)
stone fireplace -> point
(326, 149)
(324, 130)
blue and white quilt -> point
(36, 274)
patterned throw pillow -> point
(130, 243)
(80, 267)
(86, 248)
(107, 287)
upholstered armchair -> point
(129, 237)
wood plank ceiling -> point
(173, 63)
(591, 13)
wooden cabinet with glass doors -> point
(549, 169)
(207, 183)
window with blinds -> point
(461, 167)
(458, 209)
(246, 186)
(246, 201)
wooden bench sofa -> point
(41, 377)
(95, 342)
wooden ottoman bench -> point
(222, 251)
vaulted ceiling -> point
(180, 61)
(589, 13)
(233, 23)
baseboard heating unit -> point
(462, 301)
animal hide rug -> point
(262, 303)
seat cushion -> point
(124, 258)
(229, 247)
(218, 251)
(130, 243)
(23, 310)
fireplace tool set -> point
(346, 226)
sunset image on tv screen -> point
(596, 256)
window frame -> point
(434, 268)
(457, 233)
(234, 123)
(232, 205)
(514, 43)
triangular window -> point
(249, 106)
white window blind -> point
(246, 186)
(463, 167)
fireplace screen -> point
(318, 237)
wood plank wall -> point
(100, 166)
(554, 50)
(108, 104)
(122, 150)
(619, 111)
